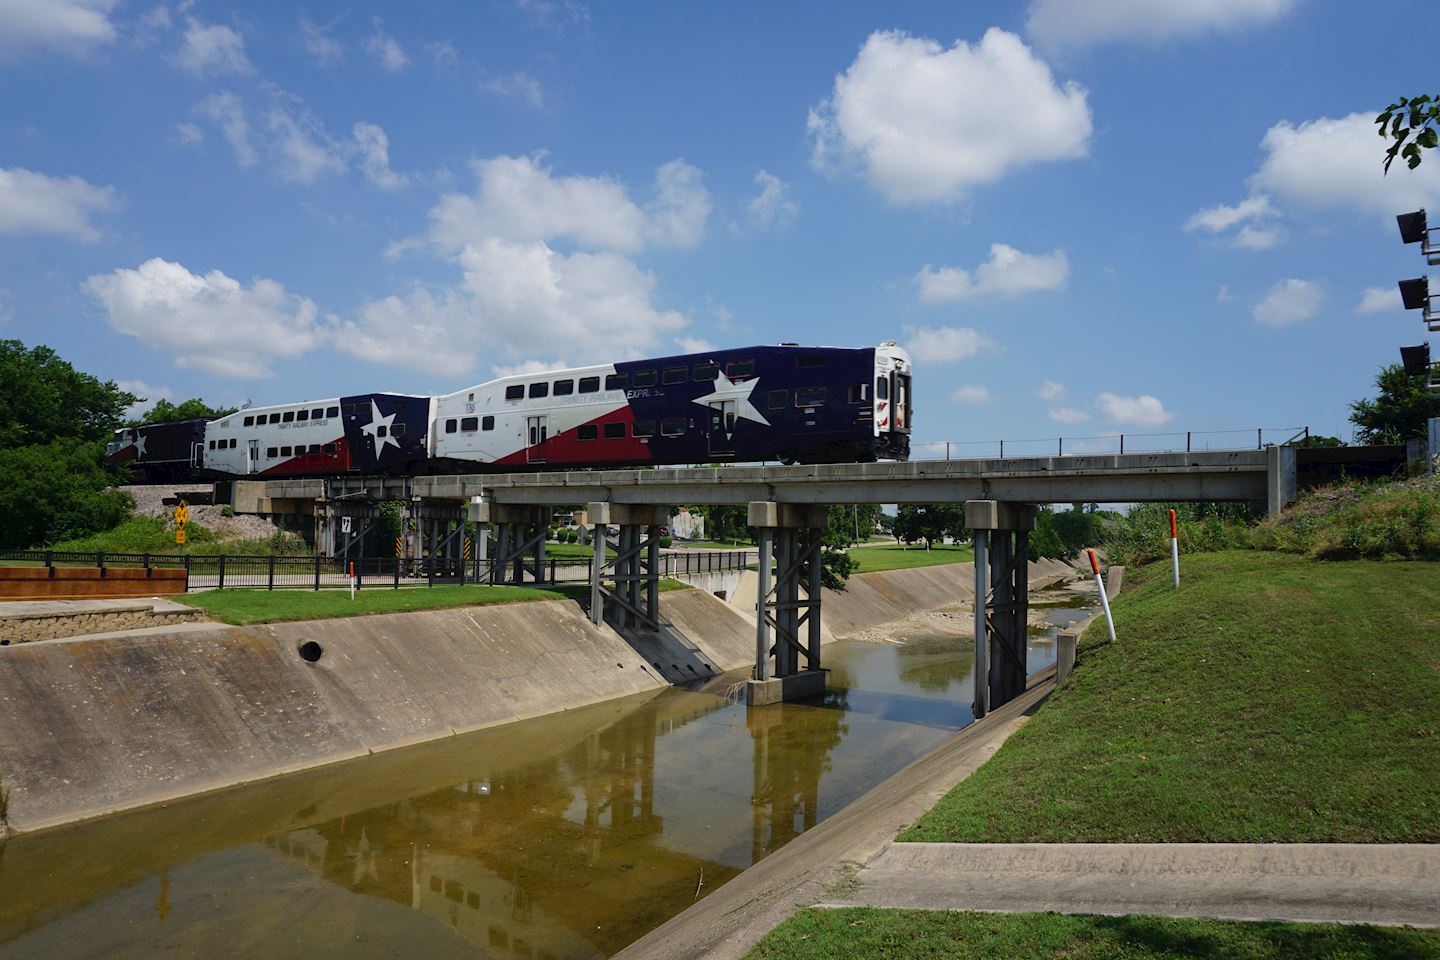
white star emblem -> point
(373, 427)
(139, 445)
(727, 389)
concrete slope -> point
(700, 636)
(91, 726)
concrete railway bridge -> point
(788, 507)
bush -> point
(227, 511)
(550, 533)
(56, 491)
(1378, 521)
(665, 541)
(1143, 534)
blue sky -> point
(1082, 216)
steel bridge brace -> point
(635, 568)
(786, 604)
(519, 542)
(1002, 542)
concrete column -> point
(1433, 445)
(652, 562)
(1280, 478)
(599, 515)
(1002, 536)
(542, 523)
(777, 525)
(1064, 655)
(982, 634)
(762, 592)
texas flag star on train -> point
(786, 402)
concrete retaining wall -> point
(91, 726)
(24, 628)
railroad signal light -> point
(1416, 359)
(1412, 226)
(1415, 293)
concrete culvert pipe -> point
(311, 652)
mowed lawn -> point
(1271, 698)
(865, 933)
(245, 607)
(890, 556)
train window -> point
(232, 443)
(740, 369)
(314, 449)
(302, 414)
(674, 375)
(809, 396)
(288, 416)
(672, 426)
(332, 411)
(284, 451)
(470, 424)
(212, 444)
(777, 399)
(318, 413)
(643, 428)
(472, 398)
(706, 371)
(563, 388)
(617, 381)
(589, 384)
(249, 421)
(859, 392)
(380, 431)
(587, 431)
(398, 430)
(331, 449)
(809, 360)
(274, 418)
(487, 423)
(644, 378)
(614, 431)
(452, 425)
(539, 390)
(272, 453)
(516, 391)
(882, 387)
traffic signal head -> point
(1415, 293)
(1412, 226)
(1416, 359)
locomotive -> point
(789, 403)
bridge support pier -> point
(635, 599)
(519, 547)
(787, 599)
(1002, 542)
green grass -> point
(1272, 698)
(716, 544)
(245, 607)
(895, 557)
(864, 933)
(574, 551)
(151, 535)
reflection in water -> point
(552, 838)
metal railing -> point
(230, 571)
(1106, 443)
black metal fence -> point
(229, 571)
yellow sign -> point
(180, 535)
(182, 514)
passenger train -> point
(788, 403)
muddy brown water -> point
(568, 836)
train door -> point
(722, 426)
(537, 431)
(197, 455)
(252, 457)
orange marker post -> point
(1104, 600)
(1175, 549)
(352, 579)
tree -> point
(193, 409)
(57, 491)
(46, 399)
(1400, 411)
(1414, 120)
(929, 522)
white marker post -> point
(1104, 600)
(1175, 549)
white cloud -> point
(443, 55)
(187, 133)
(33, 203)
(211, 49)
(526, 367)
(773, 206)
(148, 396)
(1221, 217)
(1252, 237)
(1379, 300)
(971, 393)
(944, 344)
(373, 149)
(1008, 273)
(225, 110)
(72, 27)
(694, 345)
(554, 14)
(516, 86)
(1067, 415)
(1050, 390)
(518, 199)
(326, 50)
(1223, 295)
(303, 150)
(386, 49)
(1141, 411)
(928, 124)
(211, 323)
(519, 298)
(1329, 163)
(1289, 301)
(151, 25)
(1057, 24)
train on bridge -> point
(788, 403)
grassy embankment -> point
(246, 607)
(891, 556)
(152, 535)
(923, 934)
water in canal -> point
(564, 837)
